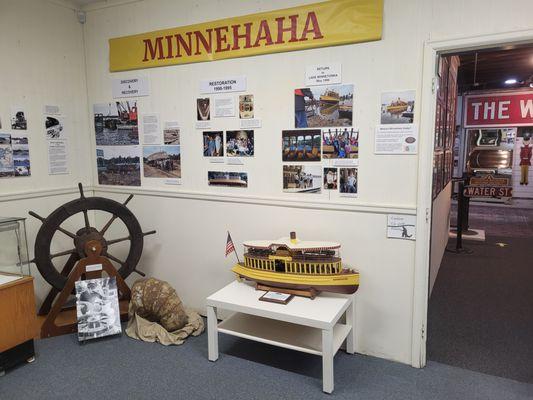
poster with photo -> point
(331, 178)
(203, 109)
(246, 106)
(340, 143)
(6, 156)
(171, 135)
(55, 127)
(162, 161)
(323, 106)
(302, 178)
(18, 119)
(213, 143)
(348, 182)
(116, 123)
(97, 308)
(240, 143)
(118, 165)
(21, 155)
(301, 145)
(227, 178)
(401, 226)
(397, 107)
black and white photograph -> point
(171, 136)
(116, 123)
(162, 161)
(54, 126)
(227, 178)
(97, 308)
(301, 145)
(331, 178)
(397, 107)
(213, 143)
(18, 119)
(348, 181)
(302, 178)
(119, 165)
(203, 109)
(340, 143)
(323, 106)
(240, 143)
(21, 155)
(6, 156)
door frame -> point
(432, 49)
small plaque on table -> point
(276, 297)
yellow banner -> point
(329, 23)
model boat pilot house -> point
(266, 199)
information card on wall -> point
(396, 139)
(324, 74)
(224, 85)
(131, 87)
(401, 226)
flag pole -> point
(234, 249)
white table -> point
(310, 326)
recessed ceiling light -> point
(511, 81)
(531, 85)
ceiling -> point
(494, 66)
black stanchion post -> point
(460, 216)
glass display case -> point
(14, 258)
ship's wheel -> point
(44, 258)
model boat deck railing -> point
(311, 267)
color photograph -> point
(171, 136)
(18, 119)
(118, 165)
(323, 106)
(21, 155)
(246, 106)
(348, 181)
(340, 143)
(301, 145)
(302, 178)
(203, 109)
(116, 123)
(226, 178)
(162, 161)
(213, 144)
(240, 143)
(397, 107)
(331, 178)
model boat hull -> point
(346, 283)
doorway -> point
(480, 307)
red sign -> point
(499, 109)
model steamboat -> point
(289, 263)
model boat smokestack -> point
(293, 237)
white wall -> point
(188, 249)
(43, 63)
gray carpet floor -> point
(123, 368)
(481, 308)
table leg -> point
(350, 320)
(212, 333)
(327, 360)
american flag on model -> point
(229, 245)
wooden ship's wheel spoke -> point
(63, 253)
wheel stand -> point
(60, 320)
